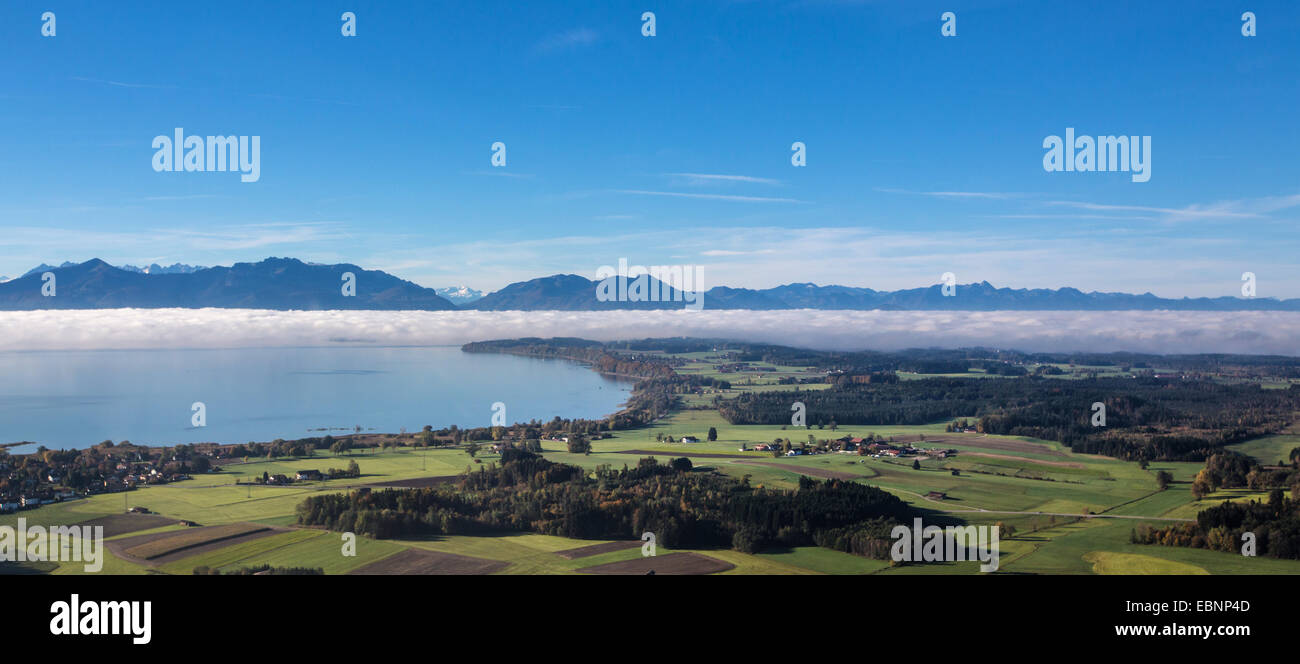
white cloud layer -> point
(1105, 331)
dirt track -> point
(976, 440)
(688, 453)
(121, 524)
(1063, 464)
(673, 563)
(119, 547)
(596, 549)
(422, 562)
(804, 470)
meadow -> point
(1072, 513)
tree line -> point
(1145, 417)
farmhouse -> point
(690, 439)
(309, 475)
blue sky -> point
(924, 152)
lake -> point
(75, 399)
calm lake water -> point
(74, 399)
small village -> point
(873, 447)
(53, 476)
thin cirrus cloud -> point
(123, 84)
(502, 173)
(730, 252)
(993, 195)
(566, 40)
(1246, 208)
(1249, 208)
(715, 178)
(1062, 331)
(1168, 214)
(188, 244)
(712, 197)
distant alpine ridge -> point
(154, 268)
(570, 292)
(460, 294)
(275, 283)
(291, 284)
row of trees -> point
(204, 570)
(961, 360)
(1273, 527)
(1229, 470)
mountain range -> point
(274, 283)
(460, 294)
(154, 268)
(288, 283)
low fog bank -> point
(1103, 331)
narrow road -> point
(1085, 516)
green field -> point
(1072, 513)
(182, 541)
(1269, 450)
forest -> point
(684, 507)
(938, 361)
(1273, 527)
(1145, 417)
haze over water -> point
(75, 399)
